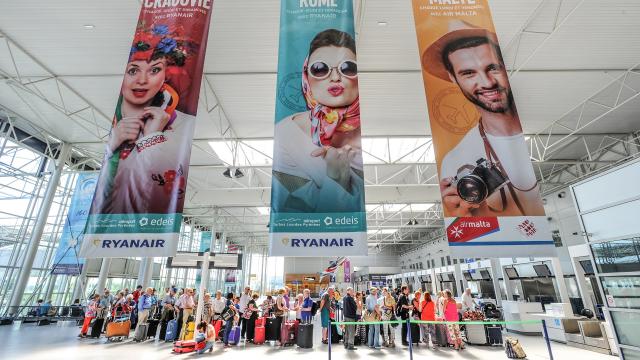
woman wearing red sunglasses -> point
(317, 159)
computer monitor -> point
(542, 270)
(511, 272)
(587, 266)
(467, 276)
(485, 274)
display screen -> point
(542, 270)
(587, 266)
(512, 273)
(485, 275)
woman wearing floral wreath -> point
(317, 161)
(147, 155)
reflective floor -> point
(59, 341)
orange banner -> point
(489, 190)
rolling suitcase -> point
(476, 334)
(494, 334)
(234, 335)
(141, 333)
(288, 333)
(172, 328)
(189, 331)
(442, 336)
(259, 335)
(217, 325)
(96, 328)
(261, 321)
(118, 329)
(305, 336)
(184, 346)
(271, 330)
(152, 329)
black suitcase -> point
(272, 332)
(415, 333)
(96, 328)
(163, 329)
(335, 337)
(494, 335)
(153, 328)
(305, 336)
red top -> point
(451, 311)
(428, 311)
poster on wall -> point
(490, 195)
(66, 260)
(138, 203)
(317, 193)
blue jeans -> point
(374, 336)
(207, 346)
(227, 331)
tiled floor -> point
(59, 341)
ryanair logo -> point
(129, 243)
(313, 243)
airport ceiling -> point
(574, 67)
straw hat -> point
(457, 29)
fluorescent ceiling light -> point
(263, 210)
(381, 231)
(88, 26)
(382, 23)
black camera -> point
(475, 184)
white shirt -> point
(244, 300)
(292, 155)
(514, 157)
(218, 304)
(467, 302)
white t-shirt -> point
(514, 157)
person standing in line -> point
(403, 307)
(451, 316)
(387, 306)
(229, 324)
(349, 312)
(252, 310)
(144, 307)
(415, 303)
(90, 313)
(307, 304)
(185, 305)
(427, 313)
(207, 309)
(137, 293)
(280, 311)
(325, 306)
(244, 301)
(218, 304)
(297, 307)
(373, 315)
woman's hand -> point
(126, 130)
(155, 119)
(338, 163)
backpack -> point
(314, 308)
(513, 349)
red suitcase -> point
(259, 335)
(217, 325)
(288, 333)
(184, 346)
(261, 321)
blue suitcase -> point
(234, 336)
(172, 329)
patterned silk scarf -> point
(325, 120)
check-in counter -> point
(522, 311)
(561, 328)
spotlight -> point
(238, 174)
(227, 173)
(233, 173)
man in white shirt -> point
(218, 304)
(468, 303)
(244, 301)
(470, 57)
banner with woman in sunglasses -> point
(317, 196)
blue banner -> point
(317, 195)
(66, 259)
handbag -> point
(226, 314)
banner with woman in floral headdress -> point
(137, 207)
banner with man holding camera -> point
(490, 194)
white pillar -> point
(141, 267)
(496, 270)
(507, 284)
(104, 274)
(250, 252)
(461, 284)
(204, 270)
(147, 273)
(434, 281)
(582, 284)
(50, 285)
(81, 283)
(36, 234)
(562, 285)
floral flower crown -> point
(160, 41)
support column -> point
(582, 284)
(495, 279)
(141, 269)
(562, 285)
(204, 280)
(36, 234)
(434, 281)
(104, 274)
(250, 253)
(461, 284)
(507, 284)
(147, 273)
(81, 283)
(50, 285)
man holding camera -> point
(488, 173)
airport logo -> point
(130, 243)
(316, 243)
(470, 228)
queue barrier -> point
(413, 321)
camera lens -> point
(472, 189)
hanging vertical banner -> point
(66, 260)
(317, 193)
(490, 195)
(137, 208)
(347, 270)
(205, 246)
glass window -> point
(627, 324)
(630, 354)
(624, 290)
(617, 256)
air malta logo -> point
(467, 229)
